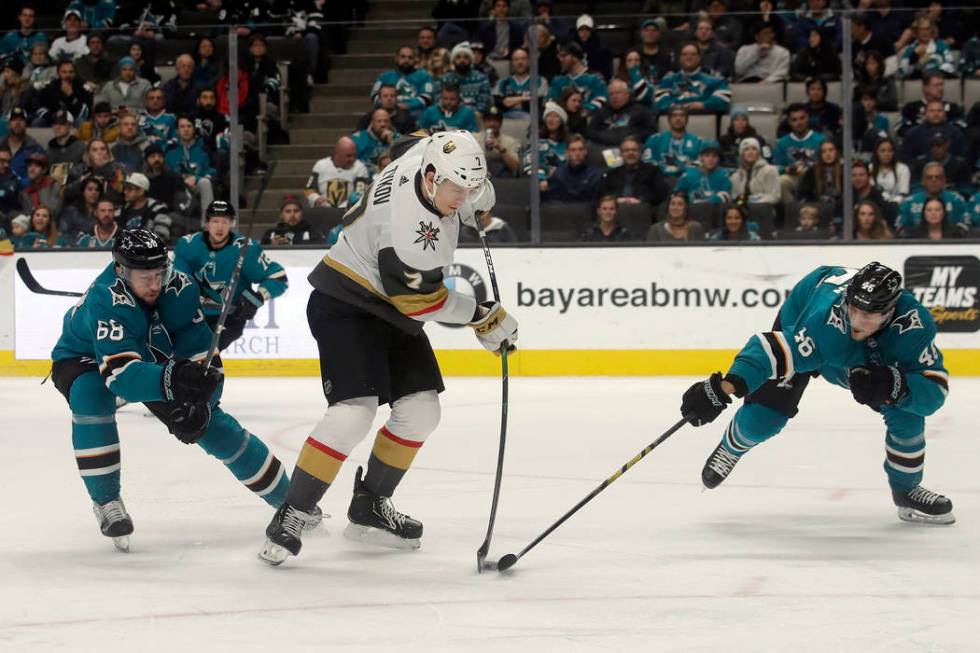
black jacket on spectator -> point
(98, 71)
(826, 118)
(914, 113)
(302, 233)
(594, 235)
(181, 99)
(548, 64)
(152, 216)
(888, 28)
(886, 93)
(598, 55)
(487, 34)
(644, 182)
(130, 155)
(51, 99)
(71, 152)
(573, 184)
(111, 176)
(9, 193)
(916, 141)
(75, 220)
(610, 126)
(822, 62)
(718, 60)
(457, 11)
(888, 209)
(168, 188)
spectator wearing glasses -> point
(933, 186)
(620, 117)
(635, 181)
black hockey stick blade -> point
(24, 271)
(509, 560)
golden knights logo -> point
(428, 235)
(449, 147)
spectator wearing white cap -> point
(755, 181)
(552, 141)
(142, 211)
(599, 57)
(73, 44)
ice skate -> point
(284, 534)
(374, 520)
(719, 465)
(114, 522)
(922, 506)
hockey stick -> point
(226, 296)
(34, 286)
(481, 553)
(511, 559)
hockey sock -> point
(904, 460)
(413, 417)
(390, 459)
(316, 468)
(95, 437)
(247, 457)
(752, 425)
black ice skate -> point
(923, 506)
(284, 533)
(114, 522)
(374, 520)
(719, 465)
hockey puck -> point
(506, 562)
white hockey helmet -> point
(456, 156)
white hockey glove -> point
(495, 327)
(483, 202)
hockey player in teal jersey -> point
(138, 334)
(858, 329)
(210, 257)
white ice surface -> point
(800, 550)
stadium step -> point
(352, 77)
(377, 62)
(357, 89)
(358, 103)
(316, 136)
(294, 168)
(279, 183)
(327, 120)
(308, 152)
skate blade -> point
(121, 543)
(315, 522)
(913, 516)
(273, 554)
(379, 537)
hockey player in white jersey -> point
(372, 294)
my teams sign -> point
(949, 286)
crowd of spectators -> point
(615, 122)
(118, 139)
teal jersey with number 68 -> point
(127, 339)
(813, 334)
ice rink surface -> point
(800, 550)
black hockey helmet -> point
(875, 288)
(140, 249)
(220, 208)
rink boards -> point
(583, 311)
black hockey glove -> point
(189, 421)
(704, 401)
(874, 385)
(187, 381)
(245, 309)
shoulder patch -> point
(177, 283)
(428, 235)
(836, 318)
(120, 294)
(404, 180)
(908, 321)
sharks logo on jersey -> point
(836, 318)
(908, 321)
(120, 295)
(178, 282)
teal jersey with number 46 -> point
(813, 334)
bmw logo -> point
(464, 279)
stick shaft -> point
(226, 296)
(504, 391)
(606, 483)
(24, 271)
